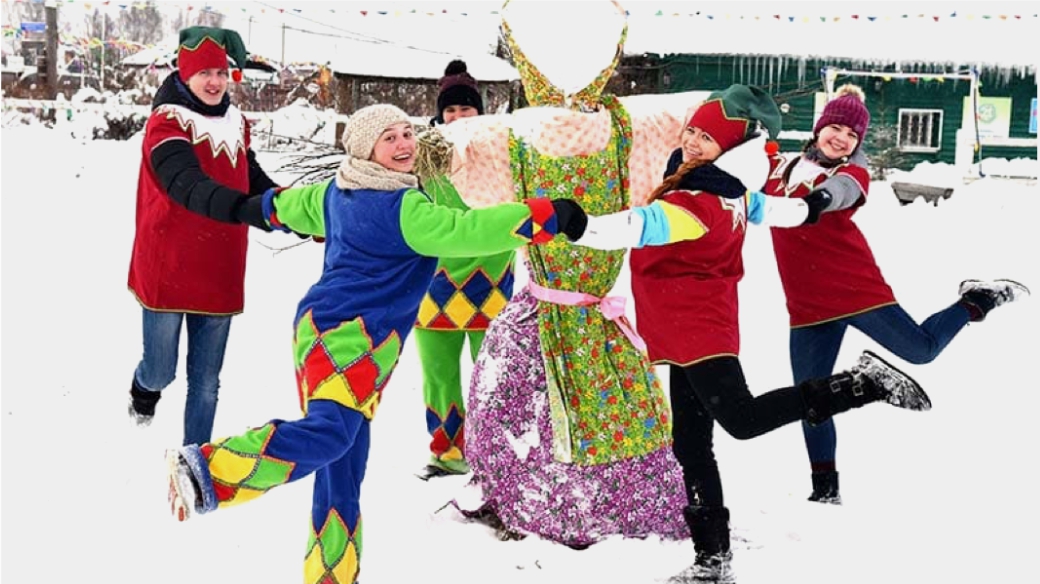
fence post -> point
(51, 9)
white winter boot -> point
(184, 495)
(983, 296)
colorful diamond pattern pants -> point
(341, 374)
(332, 442)
(440, 353)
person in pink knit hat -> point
(832, 281)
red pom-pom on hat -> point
(236, 75)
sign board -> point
(1032, 117)
(994, 116)
(34, 26)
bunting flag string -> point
(635, 10)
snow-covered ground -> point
(943, 496)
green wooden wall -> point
(794, 81)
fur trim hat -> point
(846, 109)
(733, 115)
(204, 47)
(367, 124)
(458, 87)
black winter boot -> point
(709, 528)
(825, 487)
(142, 404)
(871, 379)
(980, 296)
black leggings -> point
(715, 389)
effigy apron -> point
(606, 403)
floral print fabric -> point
(605, 400)
(509, 435)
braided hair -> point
(671, 182)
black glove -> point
(570, 218)
(818, 202)
(250, 210)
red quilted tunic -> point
(183, 261)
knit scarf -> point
(355, 173)
(814, 154)
(708, 177)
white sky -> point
(702, 27)
(943, 496)
(879, 34)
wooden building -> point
(921, 104)
(920, 72)
(368, 73)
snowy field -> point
(943, 496)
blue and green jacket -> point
(382, 249)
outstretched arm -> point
(300, 210)
(671, 220)
(778, 211)
(479, 167)
(438, 231)
(480, 164)
(845, 189)
(659, 223)
(181, 176)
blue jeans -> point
(207, 340)
(814, 351)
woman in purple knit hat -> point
(832, 281)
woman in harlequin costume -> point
(685, 271)
(832, 281)
(466, 294)
(568, 429)
(383, 237)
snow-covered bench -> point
(908, 192)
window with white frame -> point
(920, 130)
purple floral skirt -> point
(509, 448)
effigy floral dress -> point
(569, 435)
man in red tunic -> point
(189, 256)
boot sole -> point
(922, 397)
(136, 418)
(826, 500)
(1023, 287)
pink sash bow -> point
(612, 307)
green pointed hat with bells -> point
(204, 47)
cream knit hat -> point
(366, 125)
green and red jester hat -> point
(204, 47)
(732, 115)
